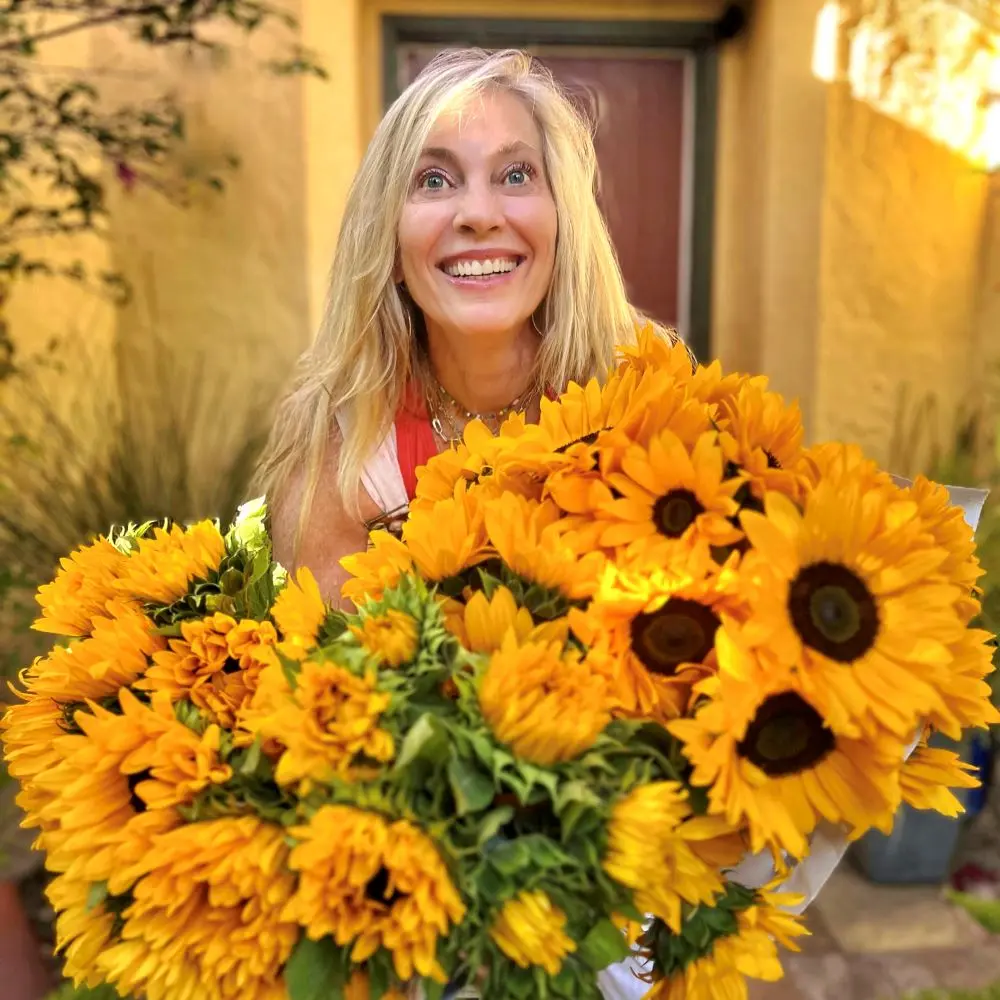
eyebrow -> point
(507, 149)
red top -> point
(415, 444)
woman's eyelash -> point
(524, 168)
(429, 172)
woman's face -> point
(477, 236)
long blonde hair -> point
(365, 351)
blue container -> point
(920, 849)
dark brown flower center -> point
(772, 462)
(590, 438)
(787, 736)
(377, 888)
(682, 631)
(833, 611)
(133, 781)
(675, 512)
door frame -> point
(696, 39)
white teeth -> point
(480, 268)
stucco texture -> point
(901, 279)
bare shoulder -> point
(329, 531)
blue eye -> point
(431, 180)
(519, 174)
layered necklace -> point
(448, 417)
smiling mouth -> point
(481, 268)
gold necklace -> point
(448, 417)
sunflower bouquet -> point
(611, 655)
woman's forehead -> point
(496, 120)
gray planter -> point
(920, 848)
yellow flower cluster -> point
(216, 665)
(610, 653)
(373, 884)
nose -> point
(478, 210)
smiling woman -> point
(477, 243)
(474, 273)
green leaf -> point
(603, 946)
(544, 853)
(510, 856)
(311, 972)
(472, 789)
(432, 990)
(252, 760)
(96, 894)
(493, 822)
(378, 977)
(426, 740)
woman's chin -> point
(482, 326)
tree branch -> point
(97, 21)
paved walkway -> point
(874, 942)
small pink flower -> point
(126, 175)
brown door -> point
(637, 102)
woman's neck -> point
(484, 377)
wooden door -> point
(638, 104)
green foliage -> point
(985, 912)
(62, 143)
(987, 993)
(67, 991)
(316, 970)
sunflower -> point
(82, 587)
(839, 461)
(373, 884)
(966, 692)
(658, 629)
(300, 609)
(929, 774)
(31, 730)
(743, 943)
(548, 706)
(174, 766)
(206, 920)
(533, 541)
(216, 665)
(850, 595)
(530, 930)
(327, 725)
(115, 655)
(667, 493)
(391, 637)
(653, 351)
(448, 537)
(163, 567)
(770, 760)
(641, 407)
(762, 435)
(945, 523)
(83, 930)
(482, 623)
(663, 854)
(377, 569)
(472, 461)
(569, 425)
(112, 792)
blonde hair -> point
(365, 351)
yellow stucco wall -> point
(769, 192)
(40, 309)
(903, 231)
